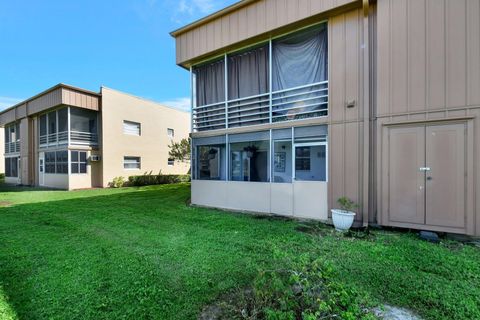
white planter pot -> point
(342, 220)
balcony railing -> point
(284, 105)
(61, 138)
(12, 147)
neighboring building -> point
(299, 102)
(71, 138)
(2, 161)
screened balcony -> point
(12, 138)
(283, 79)
(68, 126)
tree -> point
(180, 151)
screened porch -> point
(282, 79)
(68, 126)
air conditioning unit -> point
(94, 158)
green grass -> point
(142, 253)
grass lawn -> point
(142, 253)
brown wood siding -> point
(428, 68)
(78, 99)
(252, 20)
(428, 55)
(48, 100)
(346, 124)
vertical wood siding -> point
(345, 124)
(428, 55)
(255, 19)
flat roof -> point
(210, 17)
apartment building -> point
(296, 103)
(71, 138)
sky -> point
(120, 44)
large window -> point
(131, 163)
(78, 161)
(291, 84)
(249, 157)
(50, 158)
(56, 162)
(11, 167)
(61, 160)
(82, 120)
(131, 128)
(282, 156)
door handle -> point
(425, 169)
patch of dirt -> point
(5, 204)
(394, 313)
(237, 304)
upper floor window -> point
(131, 128)
(12, 138)
(54, 127)
(250, 87)
(171, 133)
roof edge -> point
(60, 85)
(210, 17)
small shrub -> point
(346, 204)
(117, 182)
(306, 289)
(153, 179)
(2, 177)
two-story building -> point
(296, 103)
(71, 138)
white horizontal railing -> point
(76, 137)
(12, 147)
(79, 137)
(284, 105)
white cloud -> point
(6, 102)
(190, 9)
(178, 103)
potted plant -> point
(343, 218)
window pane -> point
(282, 160)
(43, 125)
(14, 167)
(249, 161)
(83, 120)
(132, 128)
(74, 156)
(311, 163)
(170, 133)
(52, 122)
(83, 156)
(131, 162)
(7, 134)
(83, 168)
(211, 162)
(62, 120)
(74, 167)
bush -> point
(2, 177)
(306, 289)
(117, 182)
(152, 179)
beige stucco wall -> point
(151, 145)
(56, 181)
